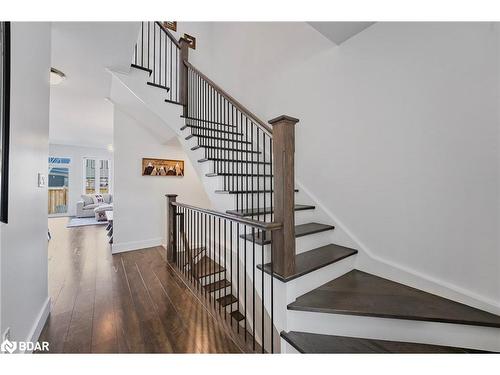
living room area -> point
(80, 184)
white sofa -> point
(85, 207)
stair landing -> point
(360, 293)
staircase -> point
(325, 304)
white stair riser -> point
(302, 244)
(458, 335)
(297, 287)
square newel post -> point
(183, 73)
(283, 240)
(171, 229)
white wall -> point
(76, 174)
(24, 295)
(139, 201)
(398, 136)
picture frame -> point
(162, 167)
(4, 118)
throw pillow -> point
(98, 198)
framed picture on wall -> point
(4, 117)
(162, 167)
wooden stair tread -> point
(236, 315)
(218, 285)
(211, 130)
(141, 68)
(226, 149)
(220, 174)
(206, 267)
(227, 300)
(246, 191)
(207, 121)
(317, 343)
(217, 138)
(313, 260)
(266, 210)
(360, 293)
(300, 231)
(159, 86)
(203, 160)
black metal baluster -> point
(215, 258)
(225, 265)
(159, 63)
(154, 51)
(238, 268)
(263, 299)
(205, 265)
(231, 265)
(219, 262)
(176, 75)
(258, 176)
(251, 179)
(264, 172)
(149, 30)
(245, 280)
(195, 253)
(272, 300)
(142, 43)
(253, 281)
(246, 166)
(171, 68)
(205, 245)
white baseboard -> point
(39, 322)
(435, 333)
(135, 245)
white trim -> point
(425, 332)
(400, 273)
(39, 323)
(135, 245)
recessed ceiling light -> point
(110, 148)
(56, 76)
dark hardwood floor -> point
(131, 302)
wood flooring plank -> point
(125, 303)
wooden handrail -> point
(251, 223)
(169, 34)
(233, 101)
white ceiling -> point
(339, 32)
(79, 113)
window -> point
(89, 176)
(104, 176)
(58, 184)
(97, 176)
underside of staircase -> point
(246, 175)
